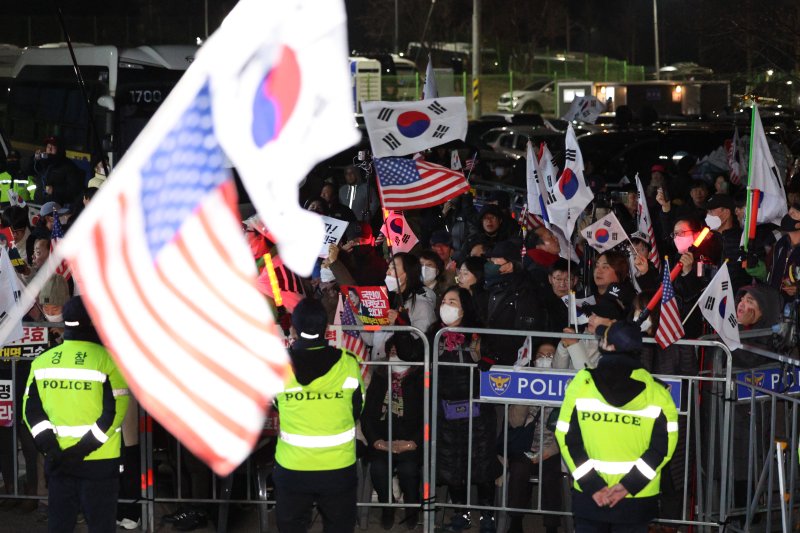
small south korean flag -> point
(605, 234)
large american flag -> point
(670, 327)
(56, 234)
(170, 284)
(408, 184)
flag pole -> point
(690, 312)
(749, 193)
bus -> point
(125, 86)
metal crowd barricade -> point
(256, 490)
(704, 508)
(769, 396)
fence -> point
(492, 86)
(708, 467)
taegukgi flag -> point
(719, 308)
(571, 193)
(585, 108)
(402, 128)
(605, 234)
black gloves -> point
(486, 362)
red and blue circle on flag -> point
(413, 123)
(602, 236)
(568, 183)
(276, 98)
(722, 305)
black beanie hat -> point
(310, 319)
(77, 322)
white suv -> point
(538, 97)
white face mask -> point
(54, 318)
(646, 325)
(326, 275)
(713, 222)
(428, 274)
(683, 243)
(543, 362)
(449, 313)
(391, 283)
(398, 369)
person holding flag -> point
(721, 219)
(786, 255)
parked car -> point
(538, 97)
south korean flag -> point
(719, 308)
(605, 234)
(402, 128)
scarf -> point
(452, 340)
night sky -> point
(727, 35)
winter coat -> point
(453, 435)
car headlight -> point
(514, 100)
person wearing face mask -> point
(397, 389)
(411, 302)
(584, 353)
(512, 302)
(617, 428)
(721, 219)
(526, 452)
(453, 419)
(434, 276)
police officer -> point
(617, 428)
(319, 407)
(74, 404)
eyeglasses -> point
(560, 280)
(548, 355)
(680, 233)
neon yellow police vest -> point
(318, 431)
(616, 437)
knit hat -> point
(769, 302)
(441, 236)
(491, 209)
(54, 292)
(624, 336)
(310, 319)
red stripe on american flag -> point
(670, 328)
(212, 410)
(425, 185)
(399, 201)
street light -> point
(655, 36)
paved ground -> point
(243, 519)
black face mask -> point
(789, 224)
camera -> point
(40, 155)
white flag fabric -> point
(719, 308)
(571, 193)
(605, 234)
(537, 192)
(10, 290)
(524, 354)
(548, 170)
(645, 223)
(575, 308)
(281, 103)
(585, 108)
(429, 90)
(402, 128)
(455, 161)
(398, 233)
(764, 176)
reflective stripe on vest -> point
(614, 467)
(350, 383)
(672, 427)
(121, 392)
(77, 374)
(318, 441)
(593, 404)
(562, 426)
(41, 426)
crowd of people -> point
(474, 266)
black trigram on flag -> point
(569, 154)
(589, 234)
(614, 235)
(391, 141)
(725, 286)
(607, 223)
(385, 114)
(710, 301)
(440, 131)
(551, 198)
(437, 108)
(732, 320)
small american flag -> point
(56, 234)
(670, 327)
(407, 184)
(470, 164)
